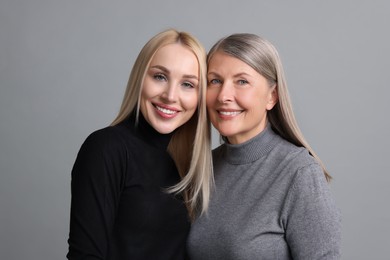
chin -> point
(227, 134)
(164, 130)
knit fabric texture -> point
(271, 201)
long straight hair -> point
(190, 145)
(263, 57)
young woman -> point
(272, 200)
(129, 179)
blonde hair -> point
(190, 145)
(263, 57)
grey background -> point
(63, 70)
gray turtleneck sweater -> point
(271, 202)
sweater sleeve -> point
(313, 224)
(96, 187)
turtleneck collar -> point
(147, 133)
(251, 150)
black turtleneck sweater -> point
(119, 209)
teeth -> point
(166, 111)
(229, 113)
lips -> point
(166, 111)
(229, 113)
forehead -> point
(173, 51)
(223, 63)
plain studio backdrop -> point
(64, 66)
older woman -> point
(272, 200)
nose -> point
(171, 93)
(226, 93)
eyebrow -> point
(241, 74)
(213, 73)
(187, 76)
(234, 76)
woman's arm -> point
(313, 223)
(96, 188)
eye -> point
(242, 82)
(214, 81)
(188, 84)
(160, 77)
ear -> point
(273, 98)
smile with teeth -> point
(165, 110)
(229, 113)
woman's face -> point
(238, 98)
(169, 94)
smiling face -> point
(169, 94)
(238, 98)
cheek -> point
(211, 97)
(252, 100)
(257, 107)
(258, 112)
(190, 101)
(147, 90)
(247, 100)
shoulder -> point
(307, 178)
(103, 152)
(105, 136)
(295, 166)
(107, 141)
(307, 185)
(309, 175)
(292, 156)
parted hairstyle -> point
(190, 145)
(263, 57)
